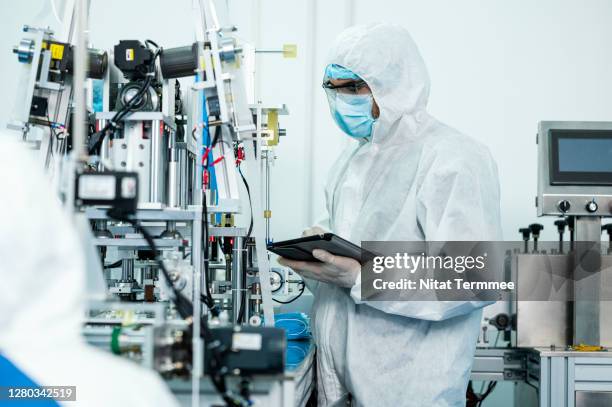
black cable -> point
(294, 298)
(475, 399)
(50, 125)
(151, 42)
(185, 310)
(490, 388)
(216, 138)
(55, 137)
(245, 391)
(205, 218)
(97, 138)
(218, 371)
(95, 141)
(248, 236)
(208, 299)
(218, 376)
(183, 305)
(51, 138)
(243, 296)
(246, 185)
(113, 265)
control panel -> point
(574, 168)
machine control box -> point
(575, 168)
(247, 350)
(112, 189)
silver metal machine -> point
(574, 183)
(557, 327)
(181, 266)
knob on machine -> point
(564, 206)
(591, 206)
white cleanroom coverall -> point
(42, 292)
(415, 179)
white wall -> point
(497, 68)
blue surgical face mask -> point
(350, 107)
(353, 113)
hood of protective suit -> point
(387, 58)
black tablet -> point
(301, 249)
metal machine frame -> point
(164, 210)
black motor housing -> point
(132, 58)
(179, 62)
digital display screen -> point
(585, 154)
(580, 157)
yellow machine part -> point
(273, 127)
(289, 50)
(57, 49)
(587, 348)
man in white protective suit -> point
(406, 177)
(42, 300)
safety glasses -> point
(348, 88)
